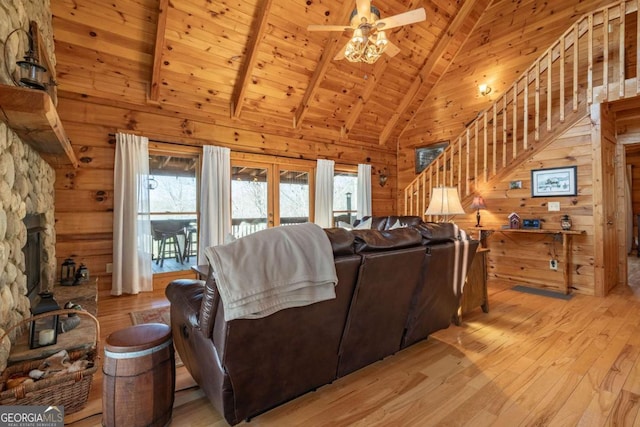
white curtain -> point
(364, 191)
(324, 193)
(215, 199)
(131, 217)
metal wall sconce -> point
(30, 73)
(383, 176)
(484, 89)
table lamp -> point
(444, 202)
(478, 203)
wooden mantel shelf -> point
(31, 114)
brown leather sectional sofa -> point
(394, 289)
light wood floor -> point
(531, 360)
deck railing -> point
(587, 64)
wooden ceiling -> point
(252, 64)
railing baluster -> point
(406, 199)
(504, 122)
(459, 161)
(576, 39)
(605, 54)
(494, 123)
(621, 51)
(590, 61)
(525, 129)
(561, 59)
(468, 155)
(475, 160)
(486, 150)
(444, 167)
(424, 197)
(549, 88)
(536, 123)
(515, 118)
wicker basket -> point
(68, 390)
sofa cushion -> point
(341, 241)
(437, 232)
(376, 240)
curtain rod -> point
(233, 150)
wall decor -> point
(515, 185)
(426, 155)
(554, 182)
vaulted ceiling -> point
(252, 64)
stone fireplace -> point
(26, 185)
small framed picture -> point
(426, 155)
(554, 182)
(515, 185)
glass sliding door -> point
(251, 209)
(173, 199)
(268, 195)
(294, 196)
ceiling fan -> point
(369, 40)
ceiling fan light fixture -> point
(358, 37)
(381, 40)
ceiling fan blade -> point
(405, 18)
(328, 28)
(391, 49)
(364, 10)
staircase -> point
(586, 65)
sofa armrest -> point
(186, 294)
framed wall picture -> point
(426, 155)
(554, 182)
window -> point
(173, 198)
(345, 196)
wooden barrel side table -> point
(139, 376)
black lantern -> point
(68, 272)
(44, 331)
(82, 275)
(30, 73)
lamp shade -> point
(444, 201)
(478, 203)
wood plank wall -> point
(524, 259)
(84, 197)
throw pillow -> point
(364, 225)
(396, 225)
(345, 225)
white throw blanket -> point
(274, 269)
(461, 257)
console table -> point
(566, 247)
(474, 293)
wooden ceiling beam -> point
(323, 65)
(154, 90)
(464, 19)
(258, 29)
(369, 87)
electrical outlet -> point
(109, 267)
(553, 264)
(554, 206)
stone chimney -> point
(26, 180)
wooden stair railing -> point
(585, 65)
